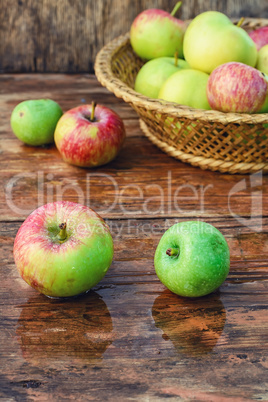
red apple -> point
(63, 249)
(89, 136)
(260, 37)
(236, 87)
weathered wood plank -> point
(130, 325)
(65, 36)
(68, 90)
(134, 184)
(130, 338)
(137, 337)
(141, 236)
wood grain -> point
(125, 187)
(65, 36)
(130, 338)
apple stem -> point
(175, 9)
(62, 235)
(176, 58)
(240, 22)
(92, 117)
(173, 252)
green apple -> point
(264, 108)
(211, 39)
(192, 259)
(186, 87)
(154, 73)
(34, 121)
(157, 33)
(262, 60)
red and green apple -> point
(236, 87)
(260, 37)
(63, 249)
(157, 33)
(89, 135)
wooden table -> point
(130, 338)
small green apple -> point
(154, 73)
(34, 121)
(186, 87)
(211, 39)
(264, 108)
(192, 259)
(262, 60)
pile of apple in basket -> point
(209, 64)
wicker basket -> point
(225, 142)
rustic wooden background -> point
(65, 35)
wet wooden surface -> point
(130, 338)
(65, 36)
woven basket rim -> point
(204, 162)
(105, 76)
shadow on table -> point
(65, 330)
(194, 326)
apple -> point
(260, 37)
(154, 73)
(236, 87)
(186, 87)
(89, 135)
(264, 107)
(63, 249)
(192, 259)
(34, 121)
(262, 60)
(157, 33)
(193, 328)
(211, 39)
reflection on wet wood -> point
(68, 329)
(130, 338)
